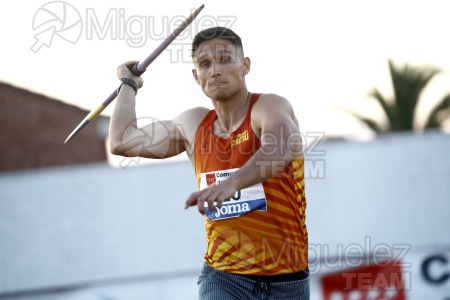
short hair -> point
(216, 33)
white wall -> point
(123, 233)
(73, 225)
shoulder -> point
(193, 114)
(188, 121)
(272, 111)
(271, 104)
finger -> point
(130, 64)
(201, 206)
(219, 203)
(191, 201)
(123, 71)
(211, 205)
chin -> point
(219, 95)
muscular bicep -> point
(278, 126)
(159, 139)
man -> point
(247, 156)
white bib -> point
(244, 201)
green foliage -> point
(408, 83)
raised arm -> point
(159, 139)
(273, 120)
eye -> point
(204, 64)
(225, 59)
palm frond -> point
(388, 109)
(373, 125)
(408, 83)
(438, 114)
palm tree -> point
(408, 83)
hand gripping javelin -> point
(137, 70)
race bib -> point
(244, 201)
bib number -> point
(244, 201)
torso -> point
(267, 220)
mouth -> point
(217, 83)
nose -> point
(215, 70)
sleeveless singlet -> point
(261, 230)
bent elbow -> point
(117, 149)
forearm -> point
(123, 118)
(264, 164)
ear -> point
(194, 73)
(246, 64)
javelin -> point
(138, 69)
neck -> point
(231, 111)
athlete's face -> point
(220, 68)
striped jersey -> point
(261, 230)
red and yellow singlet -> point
(262, 229)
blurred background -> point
(370, 85)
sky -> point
(320, 55)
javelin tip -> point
(71, 135)
(77, 129)
(68, 138)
